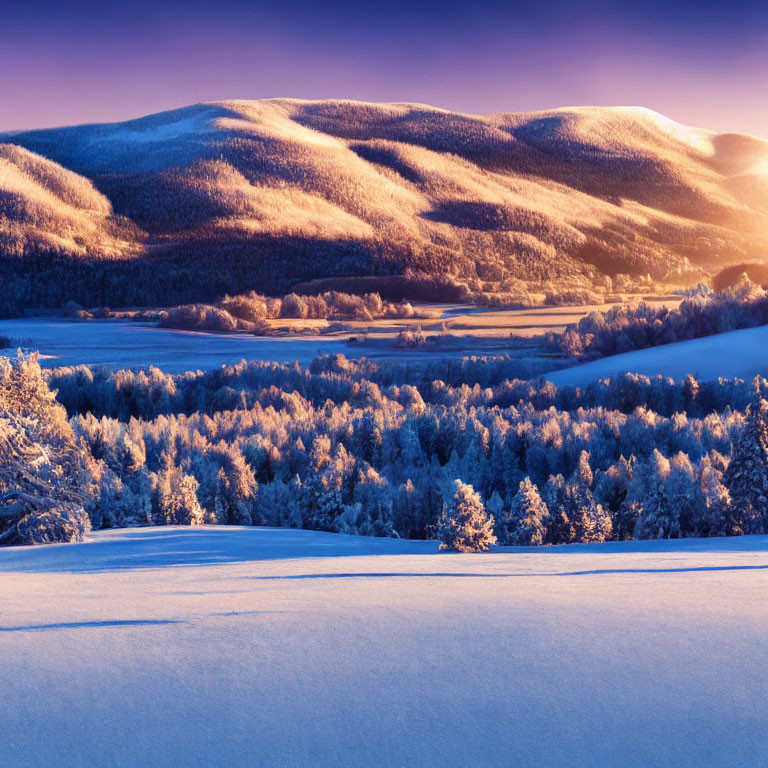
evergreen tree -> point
(747, 475)
(590, 521)
(464, 526)
(327, 493)
(711, 517)
(497, 508)
(371, 511)
(235, 492)
(661, 513)
(174, 497)
(560, 530)
(525, 522)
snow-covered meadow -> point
(266, 647)
(125, 344)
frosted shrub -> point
(202, 317)
(56, 524)
(249, 311)
(249, 306)
(411, 337)
(294, 307)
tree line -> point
(347, 446)
(627, 327)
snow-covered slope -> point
(258, 647)
(742, 354)
(385, 187)
(44, 207)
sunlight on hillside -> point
(498, 204)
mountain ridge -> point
(269, 193)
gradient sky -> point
(78, 61)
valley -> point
(452, 331)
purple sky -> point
(86, 60)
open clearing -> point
(266, 647)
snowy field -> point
(123, 344)
(262, 647)
(742, 354)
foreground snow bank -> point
(262, 647)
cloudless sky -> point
(74, 61)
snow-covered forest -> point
(352, 447)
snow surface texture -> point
(742, 354)
(264, 647)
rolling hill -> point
(238, 195)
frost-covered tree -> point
(590, 521)
(560, 530)
(371, 512)
(327, 491)
(526, 520)
(464, 525)
(174, 497)
(235, 493)
(612, 487)
(48, 478)
(278, 504)
(672, 488)
(747, 475)
(711, 514)
(48, 525)
(496, 507)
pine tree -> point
(370, 514)
(235, 492)
(327, 493)
(711, 516)
(464, 526)
(560, 530)
(525, 522)
(591, 522)
(496, 507)
(661, 513)
(747, 475)
(612, 487)
(174, 497)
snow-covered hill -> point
(287, 190)
(262, 647)
(737, 354)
